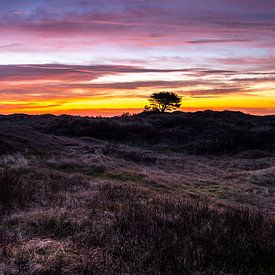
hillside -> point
(205, 132)
(148, 193)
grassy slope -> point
(75, 204)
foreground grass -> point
(60, 223)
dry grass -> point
(264, 177)
(126, 228)
(14, 191)
(100, 207)
(15, 161)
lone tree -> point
(163, 101)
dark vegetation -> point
(124, 195)
(18, 187)
(125, 229)
(200, 133)
(162, 102)
(11, 190)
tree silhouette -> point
(163, 101)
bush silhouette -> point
(10, 189)
(163, 101)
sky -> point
(95, 57)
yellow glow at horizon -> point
(262, 95)
(135, 103)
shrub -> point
(160, 234)
(170, 237)
(9, 184)
(264, 177)
(16, 161)
(124, 229)
(13, 191)
(57, 182)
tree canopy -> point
(163, 101)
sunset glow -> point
(106, 57)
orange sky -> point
(59, 89)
